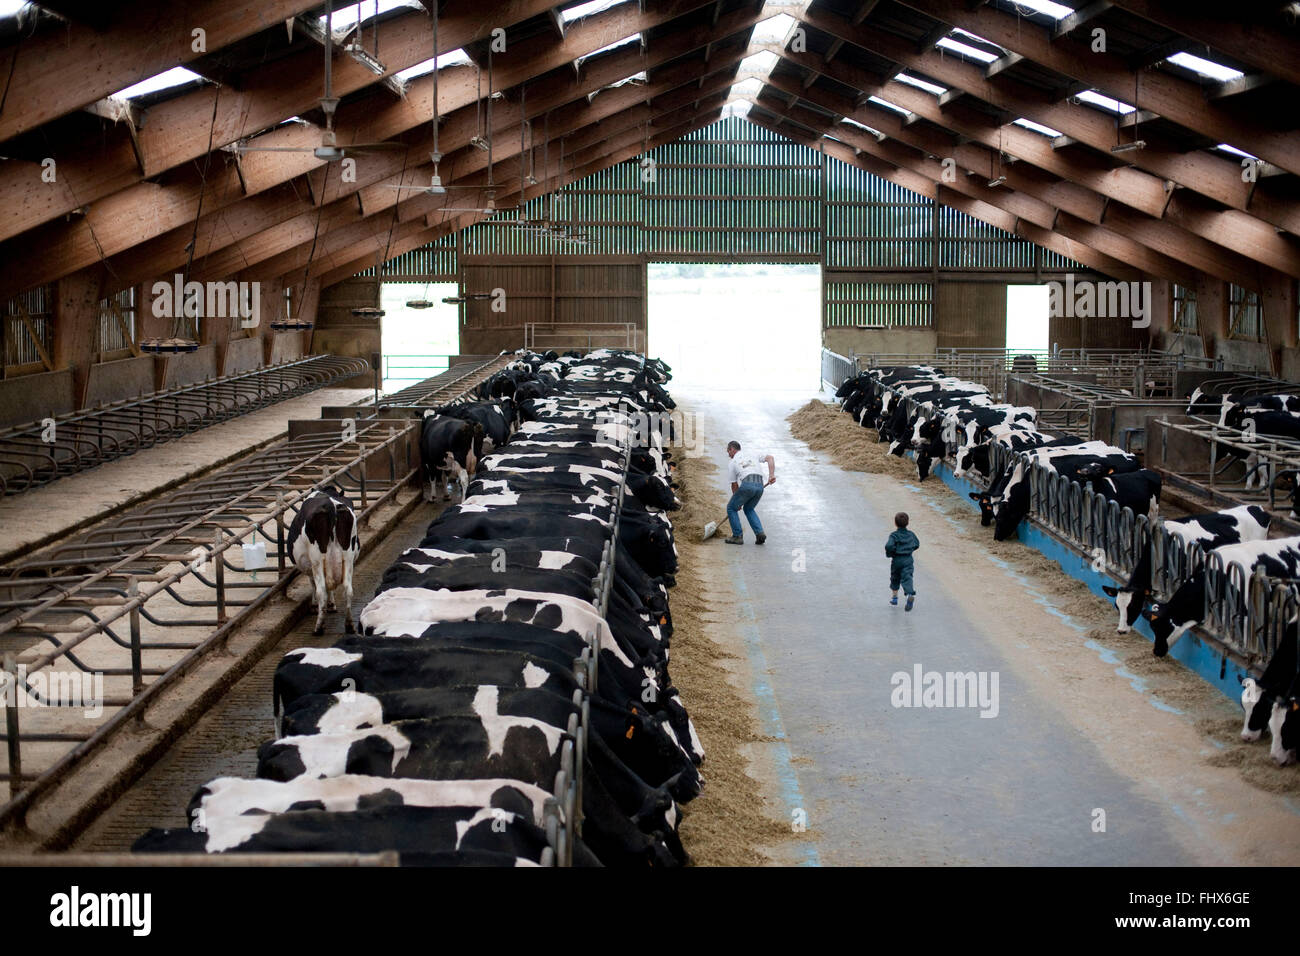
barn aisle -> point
(1074, 734)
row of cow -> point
(441, 728)
(946, 415)
(920, 408)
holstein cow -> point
(1210, 530)
(1279, 558)
(1006, 502)
(323, 543)
(1258, 697)
(447, 449)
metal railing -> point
(582, 335)
(836, 368)
(39, 452)
(141, 601)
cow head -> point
(652, 491)
(985, 501)
(1011, 509)
(1257, 708)
(1129, 603)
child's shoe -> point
(894, 600)
(911, 598)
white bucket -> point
(254, 555)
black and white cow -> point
(324, 545)
(449, 447)
(1139, 491)
(497, 419)
(1279, 558)
(1258, 697)
(1210, 530)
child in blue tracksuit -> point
(899, 549)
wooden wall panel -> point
(971, 315)
(573, 293)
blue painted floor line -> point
(770, 713)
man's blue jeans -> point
(744, 499)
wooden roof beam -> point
(180, 129)
(1071, 22)
(1208, 174)
(1271, 47)
(990, 213)
(128, 218)
(49, 75)
(1106, 241)
(1176, 100)
(351, 259)
(1189, 225)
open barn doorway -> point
(1028, 319)
(417, 343)
(737, 326)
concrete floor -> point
(883, 784)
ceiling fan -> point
(328, 150)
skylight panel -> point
(176, 76)
(9, 8)
(1215, 71)
(920, 84)
(626, 41)
(587, 9)
(773, 29)
(948, 43)
(1228, 148)
(887, 105)
(862, 126)
(1105, 102)
(1056, 11)
(735, 108)
(748, 87)
(760, 62)
(450, 58)
(345, 17)
(1037, 127)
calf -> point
(448, 447)
(323, 543)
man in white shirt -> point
(748, 479)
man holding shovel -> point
(746, 474)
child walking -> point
(899, 548)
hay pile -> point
(727, 823)
(825, 428)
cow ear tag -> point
(630, 728)
(1295, 705)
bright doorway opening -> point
(417, 343)
(754, 326)
(1028, 323)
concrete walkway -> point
(881, 784)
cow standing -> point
(449, 447)
(323, 543)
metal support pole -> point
(137, 671)
(279, 531)
(11, 727)
(217, 556)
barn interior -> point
(249, 249)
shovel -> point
(711, 528)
